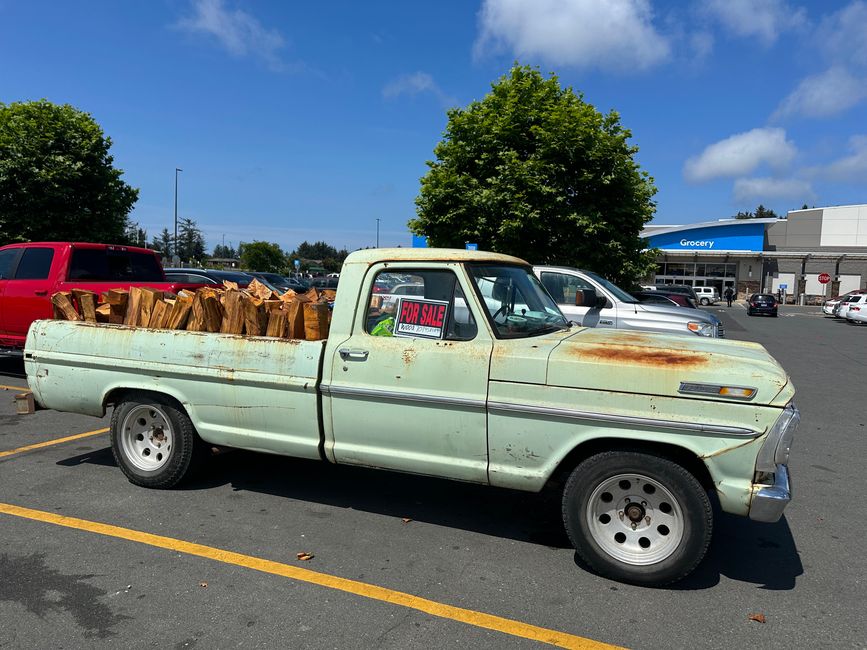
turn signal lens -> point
(735, 391)
(712, 390)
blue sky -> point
(297, 121)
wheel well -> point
(117, 395)
(674, 453)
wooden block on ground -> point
(295, 319)
(63, 308)
(86, 304)
(233, 316)
(315, 321)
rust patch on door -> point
(638, 355)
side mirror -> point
(601, 301)
(587, 298)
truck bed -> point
(255, 393)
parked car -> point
(208, 276)
(707, 295)
(279, 282)
(679, 299)
(653, 298)
(846, 305)
(858, 311)
(829, 307)
(324, 283)
(762, 303)
(592, 301)
(684, 289)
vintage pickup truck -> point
(480, 378)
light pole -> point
(377, 232)
(175, 244)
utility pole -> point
(377, 232)
(175, 244)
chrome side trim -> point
(712, 390)
(622, 419)
(343, 391)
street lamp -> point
(177, 169)
(377, 232)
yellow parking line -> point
(434, 608)
(24, 388)
(49, 443)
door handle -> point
(41, 292)
(357, 355)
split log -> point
(63, 308)
(259, 290)
(118, 300)
(149, 299)
(253, 316)
(315, 321)
(133, 307)
(277, 324)
(295, 319)
(86, 304)
(180, 312)
(233, 315)
(213, 311)
(103, 313)
(159, 314)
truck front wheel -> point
(153, 440)
(637, 517)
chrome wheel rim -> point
(635, 519)
(146, 437)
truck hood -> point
(676, 312)
(656, 364)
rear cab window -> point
(419, 303)
(114, 265)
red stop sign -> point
(824, 278)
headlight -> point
(702, 329)
(775, 449)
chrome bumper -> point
(770, 501)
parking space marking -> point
(22, 388)
(49, 443)
(365, 590)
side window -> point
(563, 287)
(35, 264)
(389, 287)
(7, 261)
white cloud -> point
(615, 34)
(821, 95)
(765, 19)
(238, 32)
(852, 167)
(740, 154)
(767, 189)
(414, 84)
(843, 34)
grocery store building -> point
(811, 254)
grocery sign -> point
(421, 318)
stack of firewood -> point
(254, 311)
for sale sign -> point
(418, 317)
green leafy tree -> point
(225, 252)
(533, 170)
(57, 178)
(319, 252)
(191, 243)
(163, 243)
(262, 256)
(761, 213)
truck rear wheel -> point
(153, 440)
(637, 517)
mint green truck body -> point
(509, 412)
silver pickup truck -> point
(476, 377)
(592, 301)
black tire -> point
(153, 440)
(705, 302)
(672, 555)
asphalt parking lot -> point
(89, 560)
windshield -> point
(619, 293)
(517, 305)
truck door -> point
(27, 294)
(412, 398)
(564, 288)
(8, 261)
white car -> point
(829, 307)
(707, 295)
(846, 303)
(855, 309)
